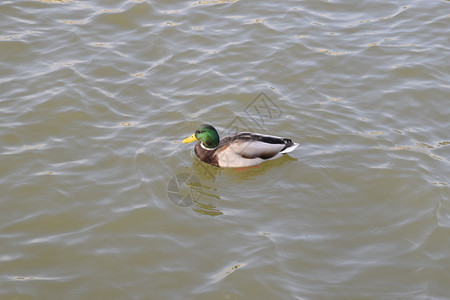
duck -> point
(244, 149)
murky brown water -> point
(99, 201)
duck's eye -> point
(200, 131)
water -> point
(99, 200)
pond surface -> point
(100, 200)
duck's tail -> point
(290, 146)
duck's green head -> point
(206, 134)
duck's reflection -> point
(206, 180)
(207, 209)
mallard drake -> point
(239, 150)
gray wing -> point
(255, 149)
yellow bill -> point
(192, 138)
